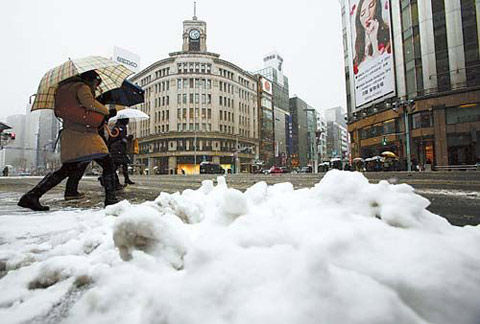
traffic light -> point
(384, 140)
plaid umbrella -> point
(113, 74)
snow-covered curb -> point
(344, 251)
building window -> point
(466, 114)
(470, 42)
(441, 45)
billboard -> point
(372, 49)
(266, 85)
(128, 59)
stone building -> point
(201, 108)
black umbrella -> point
(128, 94)
(4, 127)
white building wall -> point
(31, 137)
(398, 49)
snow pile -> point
(344, 251)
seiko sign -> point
(127, 62)
(126, 58)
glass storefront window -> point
(457, 115)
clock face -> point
(194, 34)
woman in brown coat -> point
(80, 143)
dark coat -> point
(79, 143)
(118, 145)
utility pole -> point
(406, 105)
(407, 139)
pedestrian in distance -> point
(80, 142)
(5, 171)
(117, 145)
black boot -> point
(109, 184)
(125, 175)
(71, 188)
(118, 185)
(31, 198)
(128, 181)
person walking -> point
(117, 146)
(80, 142)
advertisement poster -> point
(373, 64)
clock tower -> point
(194, 35)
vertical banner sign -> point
(372, 47)
(130, 60)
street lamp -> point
(406, 105)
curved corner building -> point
(201, 108)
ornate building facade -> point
(201, 108)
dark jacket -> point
(118, 145)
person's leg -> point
(108, 178)
(71, 188)
(126, 176)
(118, 185)
(31, 198)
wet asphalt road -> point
(453, 195)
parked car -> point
(285, 170)
(275, 169)
(211, 168)
(307, 169)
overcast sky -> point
(40, 34)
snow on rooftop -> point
(344, 251)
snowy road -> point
(454, 195)
(342, 251)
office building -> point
(417, 91)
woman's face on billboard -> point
(367, 12)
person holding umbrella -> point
(117, 146)
(80, 142)
(128, 94)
